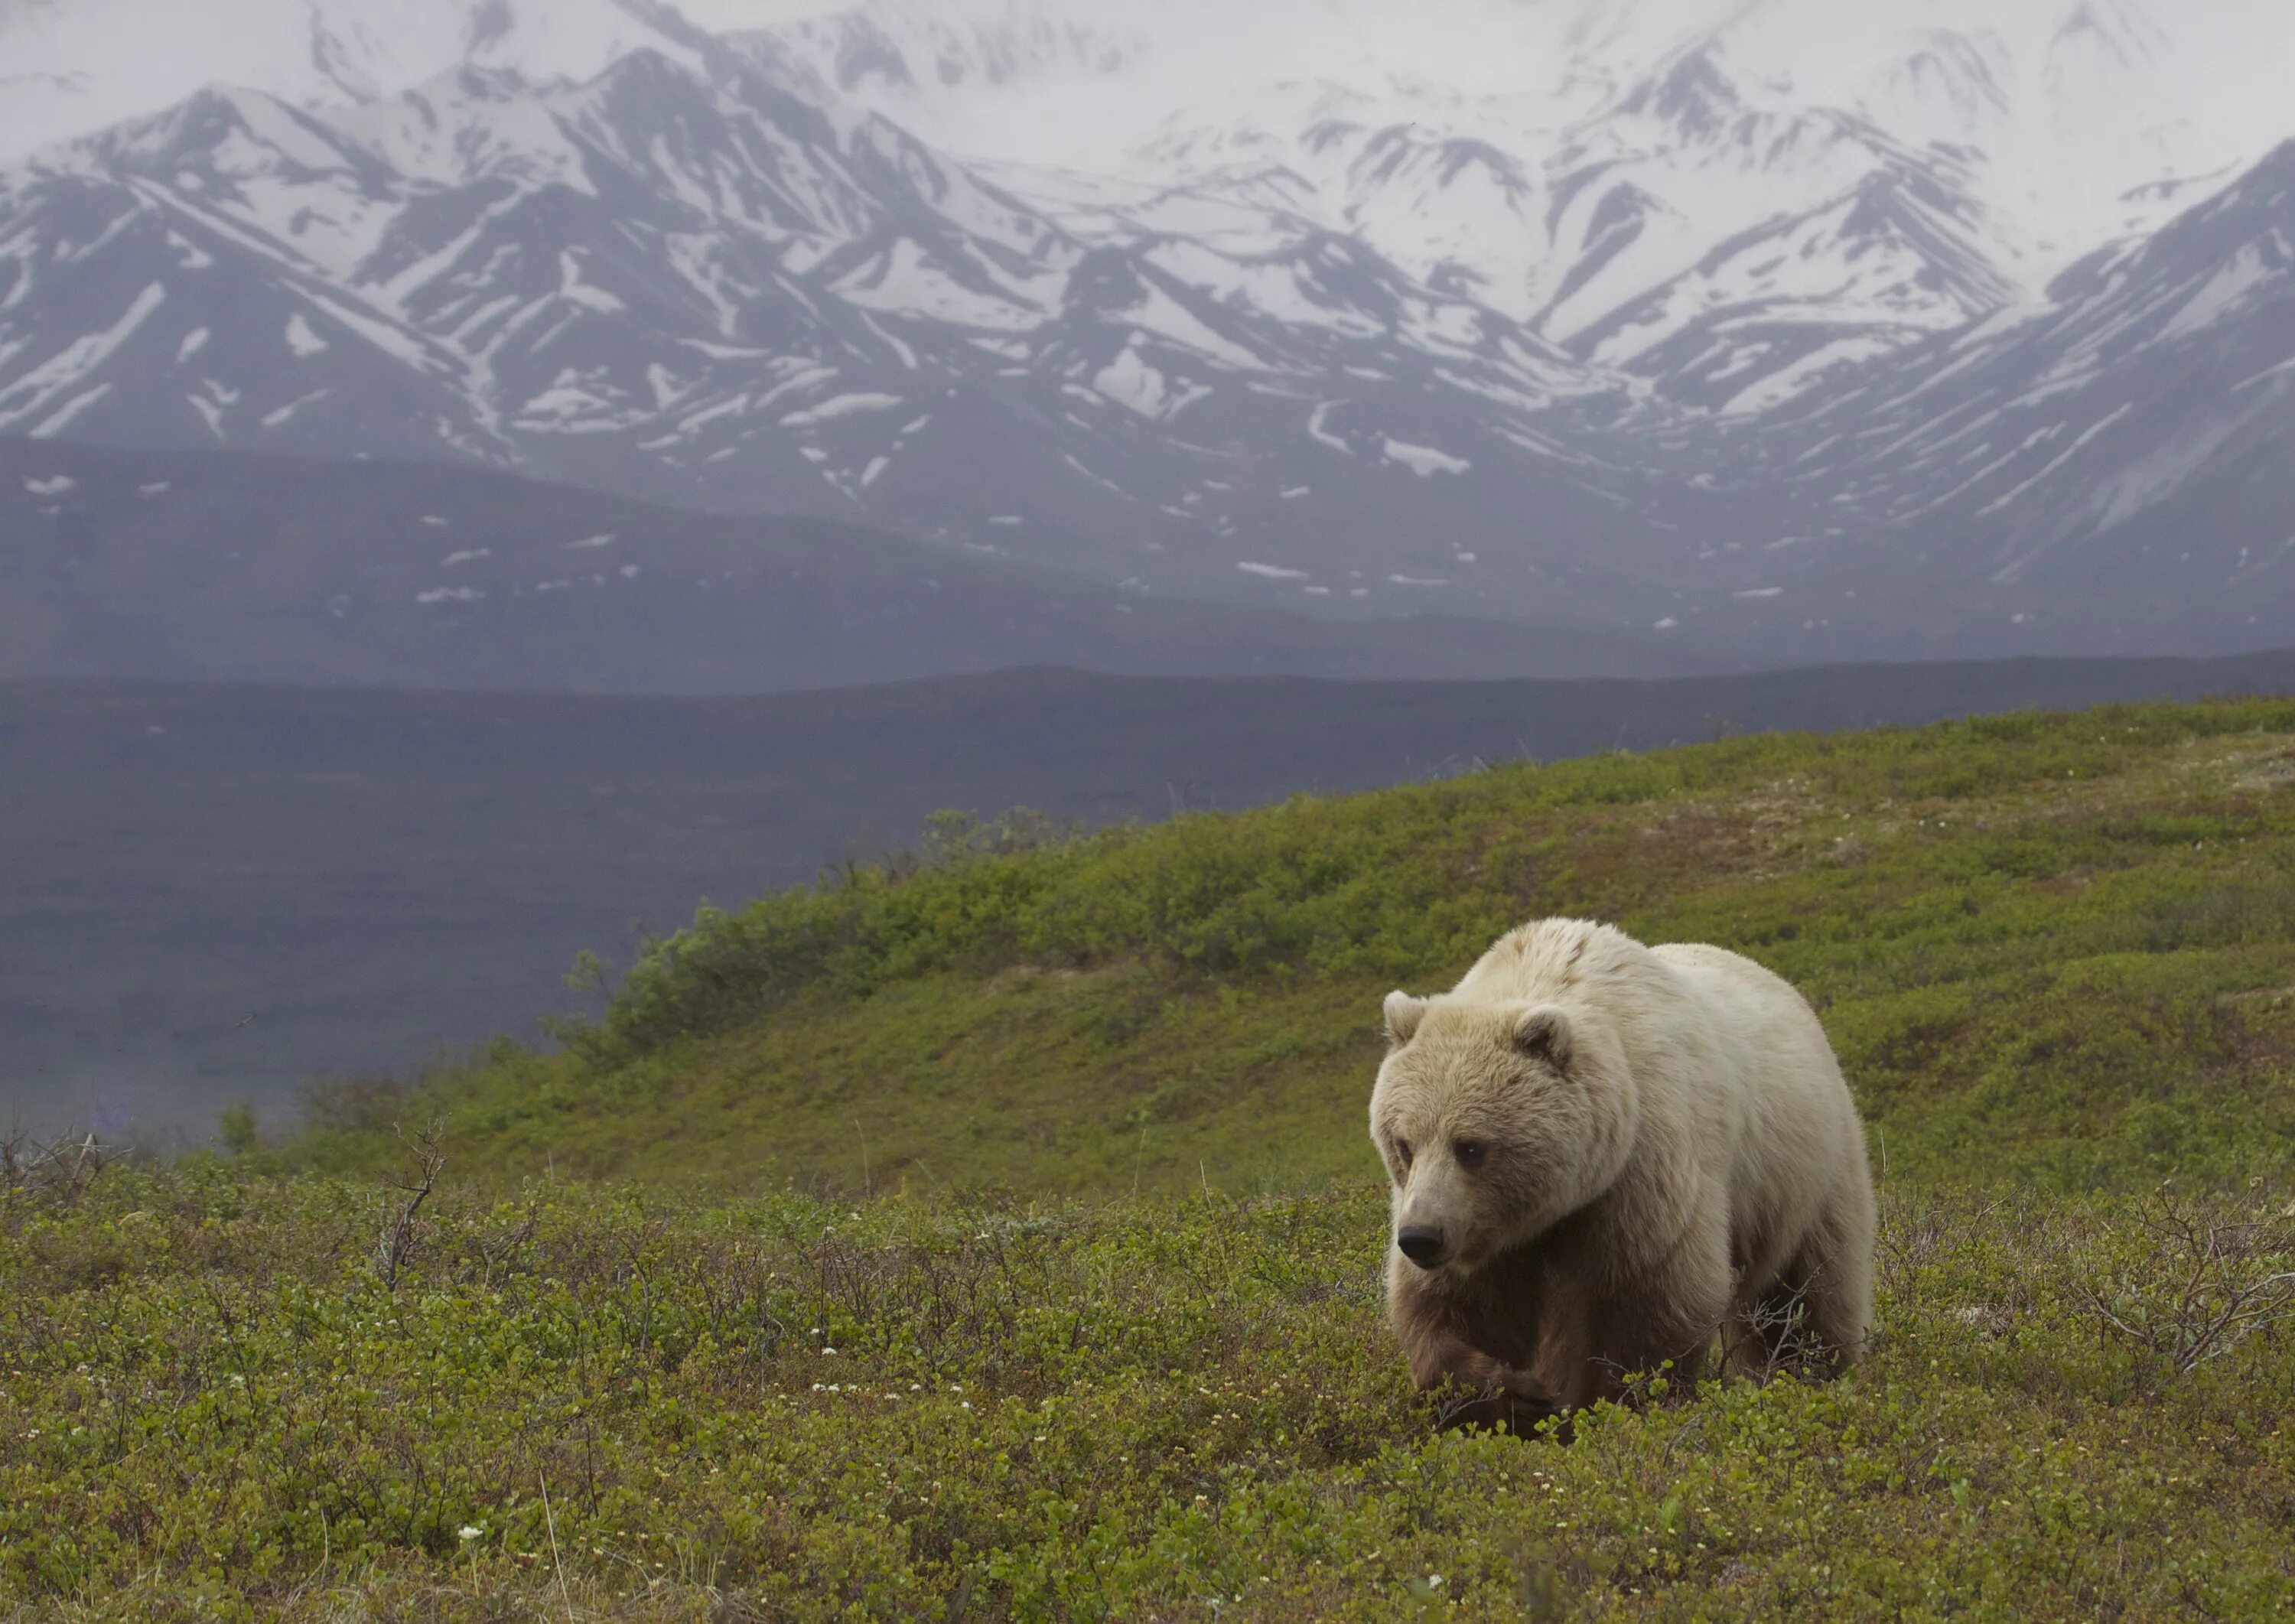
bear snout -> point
(1422, 1243)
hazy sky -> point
(2208, 61)
(2219, 67)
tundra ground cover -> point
(995, 1237)
(591, 1403)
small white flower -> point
(829, 1353)
(471, 1533)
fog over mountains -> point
(1792, 329)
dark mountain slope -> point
(241, 567)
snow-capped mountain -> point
(2140, 430)
(688, 283)
(1671, 313)
(2063, 109)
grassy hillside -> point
(2052, 947)
(993, 1239)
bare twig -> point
(2214, 1306)
(61, 1170)
(395, 1243)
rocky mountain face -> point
(1765, 326)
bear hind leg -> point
(1837, 1261)
(1817, 1313)
(1772, 1332)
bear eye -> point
(1469, 1152)
(1402, 1149)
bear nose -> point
(1422, 1243)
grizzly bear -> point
(1602, 1154)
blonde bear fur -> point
(1605, 1153)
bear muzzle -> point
(1422, 1243)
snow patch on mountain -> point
(303, 338)
(842, 405)
(1425, 461)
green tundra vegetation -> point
(994, 1236)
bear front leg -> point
(1482, 1391)
(1619, 1348)
(1447, 1336)
(1666, 1315)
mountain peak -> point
(2120, 29)
(1695, 95)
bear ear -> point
(1543, 1031)
(1403, 1014)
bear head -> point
(1495, 1120)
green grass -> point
(1058, 1146)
